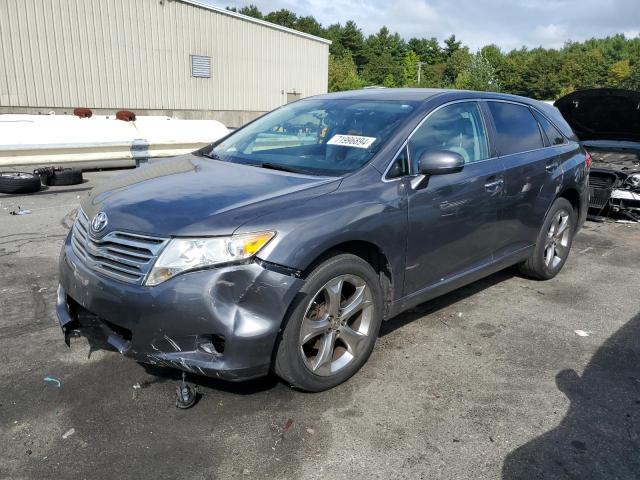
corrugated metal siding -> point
(136, 54)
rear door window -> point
(516, 128)
(552, 133)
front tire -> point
(332, 325)
(553, 243)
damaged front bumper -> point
(613, 193)
(626, 202)
(219, 322)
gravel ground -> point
(488, 382)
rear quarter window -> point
(516, 128)
(553, 135)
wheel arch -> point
(572, 196)
(370, 253)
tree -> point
(619, 73)
(493, 55)
(479, 75)
(384, 53)
(351, 39)
(541, 76)
(283, 17)
(456, 64)
(582, 68)
(451, 46)
(309, 25)
(511, 75)
(428, 50)
(343, 74)
(432, 76)
(410, 69)
(632, 82)
(385, 58)
(250, 10)
(389, 81)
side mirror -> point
(440, 162)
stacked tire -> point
(62, 177)
(59, 176)
(25, 182)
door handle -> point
(494, 185)
(550, 167)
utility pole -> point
(420, 70)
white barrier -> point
(63, 139)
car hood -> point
(602, 114)
(192, 195)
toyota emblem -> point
(99, 222)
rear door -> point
(452, 218)
(528, 166)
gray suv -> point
(283, 246)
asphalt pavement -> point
(489, 382)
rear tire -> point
(19, 182)
(332, 325)
(553, 243)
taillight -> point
(588, 159)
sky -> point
(508, 24)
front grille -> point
(599, 197)
(121, 255)
(601, 181)
(600, 187)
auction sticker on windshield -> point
(351, 141)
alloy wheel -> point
(16, 175)
(557, 242)
(336, 325)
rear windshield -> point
(316, 136)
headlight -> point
(185, 254)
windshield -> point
(320, 137)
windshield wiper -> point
(213, 156)
(277, 166)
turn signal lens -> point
(249, 244)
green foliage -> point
(410, 69)
(619, 72)
(478, 75)
(389, 81)
(283, 17)
(343, 74)
(386, 59)
(383, 55)
(309, 25)
(451, 46)
(457, 62)
(428, 50)
(633, 81)
(250, 11)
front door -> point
(452, 217)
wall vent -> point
(200, 66)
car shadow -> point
(599, 437)
(445, 301)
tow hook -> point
(186, 395)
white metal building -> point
(154, 57)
